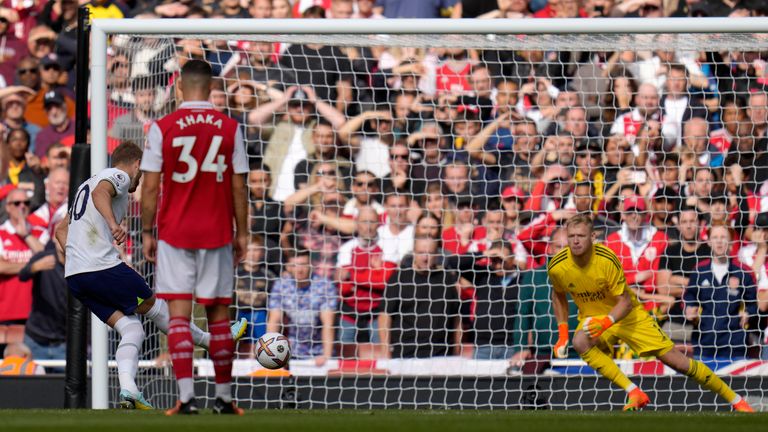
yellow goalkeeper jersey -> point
(593, 288)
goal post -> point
(700, 34)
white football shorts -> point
(205, 275)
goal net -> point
(408, 190)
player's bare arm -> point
(326, 320)
(240, 202)
(60, 237)
(149, 192)
(385, 322)
(102, 199)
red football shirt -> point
(197, 149)
(16, 296)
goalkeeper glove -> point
(561, 346)
(595, 326)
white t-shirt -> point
(373, 156)
(89, 243)
(285, 178)
(395, 246)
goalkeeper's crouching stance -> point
(609, 311)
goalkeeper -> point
(609, 311)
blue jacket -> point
(720, 333)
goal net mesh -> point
(364, 147)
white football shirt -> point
(89, 243)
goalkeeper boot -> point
(742, 406)
(221, 407)
(184, 408)
(238, 329)
(637, 400)
(134, 401)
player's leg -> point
(127, 357)
(214, 290)
(181, 347)
(703, 375)
(157, 311)
(113, 301)
(175, 279)
(590, 351)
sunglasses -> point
(326, 173)
(28, 71)
(52, 67)
(398, 156)
(19, 203)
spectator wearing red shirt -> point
(363, 270)
(639, 246)
(552, 191)
(733, 117)
(561, 9)
(18, 242)
(453, 73)
(457, 238)
(55, 207)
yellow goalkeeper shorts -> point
(640, 331)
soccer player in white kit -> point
(97, 276)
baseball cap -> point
(53, 97)
(635, 202)
(512, 192)
(50, 60)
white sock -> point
(160, 316)
(186, 389)
(127, 354)
(631, 387)
(224, 392)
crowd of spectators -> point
(404, 200)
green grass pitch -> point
(380, 420)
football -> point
(273, 350)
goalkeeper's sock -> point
(159, 315)
(221, 352)
(603, 365)
(127, 355)
(703, 375)
(181, 348)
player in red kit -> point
(201, 156)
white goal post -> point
(470, 33)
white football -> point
(273, 350)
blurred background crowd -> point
(405, 200)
